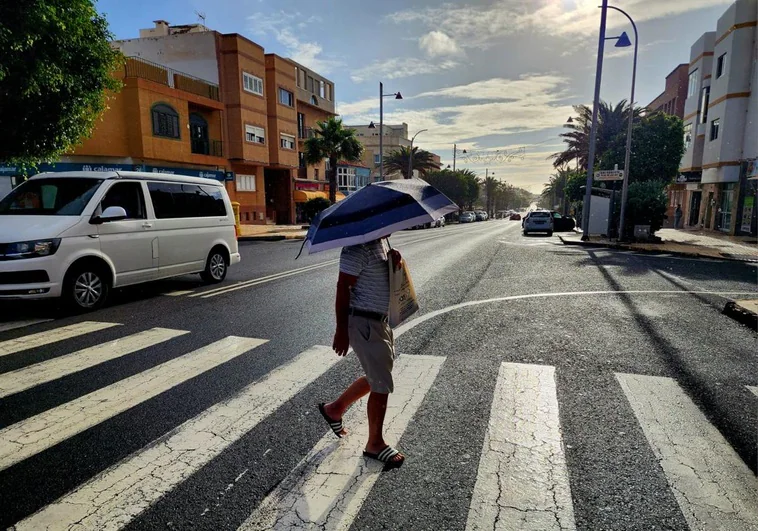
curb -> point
(270, 238)
(741, 315)
(722, 256)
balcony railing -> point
(138, 67)
(207, 147)
(305, 133)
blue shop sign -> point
(6, 169)
(205, 174)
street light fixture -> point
(410, 154)
(382, 95)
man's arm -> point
(342, 306)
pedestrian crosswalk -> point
(523, 479)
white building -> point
(721, 124)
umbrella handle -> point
(301, 248)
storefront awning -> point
(301, 196)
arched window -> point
(165, 121)
(314, 100)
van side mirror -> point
(112, 213)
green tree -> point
(314, 206)
(646, 205)
(56, 67)
(490, 185)
(334, 142)
(397, 161)
(471, 185)
(449, 183)
(657, 149)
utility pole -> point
(455, 149)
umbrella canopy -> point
(376, 211)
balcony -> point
(207, 147)
(138, 67)
(306, 133)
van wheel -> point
(550, 233)
(86, 287)
(215, 267)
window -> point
(165, 121)
(692, 83)
(287, 141)
(321, 89)
(50, 197)
(255, 134)
(315, 173)
(286, 98)
(252, 83)
(328, 95)
(301, 160)
(687, 136)
(706, 98)
(715, 128)
(177, 200)
(311, 84)
(127, 196)
(346, 178)
(377, 159)
(301, 125)
(246, 183)
(301, 78)
(721, 65)
(314, 100)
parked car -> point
(77, 235)
(440, 222)
(538, 221)
(467, 217)
(515, 216)
(481, 216)
(562, 223)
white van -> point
(79, 234)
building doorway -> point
(695, 200)
(199, 134)
(725, 212)
(708, 211)
(279, 200)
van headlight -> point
(32, 249)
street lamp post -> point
(455, 153)
(627, 156)
(410, 154)
(382, 95)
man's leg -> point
(357, 390)
(377, 409)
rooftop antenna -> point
(201, 17)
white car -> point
(467, 217)
(76, 235)
(538, 221)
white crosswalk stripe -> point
(112, 499)
(753, 389)
(40, 339)
(523, 481)
(31, 436)
(714, 488)
(327, 489)
(12, 325)
(39, 373)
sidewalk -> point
(271, 233)
(696, 244)
(745, 312)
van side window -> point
(176, 200)
(127, 196)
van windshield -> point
(50, 197)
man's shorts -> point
(374, 345)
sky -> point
(486, 75)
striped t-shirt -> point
(368, 262)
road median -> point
(743, 311)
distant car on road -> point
(538, 221)
(481, 216)
(562, 223)
(467, 217)
(440, 222)
(515, 216)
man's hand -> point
(394, 255)
(341, 342)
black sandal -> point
(386, 456)
(335, 425)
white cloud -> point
(535, 86)
(436, 44)
(280, 26)
(398, 67)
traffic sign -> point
(609, 175)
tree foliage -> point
(646, 205)
(397, 162)
(461, 186)
(312, 207)
(56, 66)
(334, 142)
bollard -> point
(236, 209)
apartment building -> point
(721, 125)
(395, 137)
(262, 101)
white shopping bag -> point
(403, 302)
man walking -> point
(362, 304)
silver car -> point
(538, 221)
(467, 217)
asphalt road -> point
(541, 386)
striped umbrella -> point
(376, 211)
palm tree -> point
(612, 121)
(334, 142)
(397, 161)
(490, 189)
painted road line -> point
(327, 489)
(715, 489)
(260, 280)
(179, 293)
(16, 381)
(522, 482)
(114, 497)
(753, 389)
(35, 434)
(12, 325)
(229, 289)
(12, 346)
